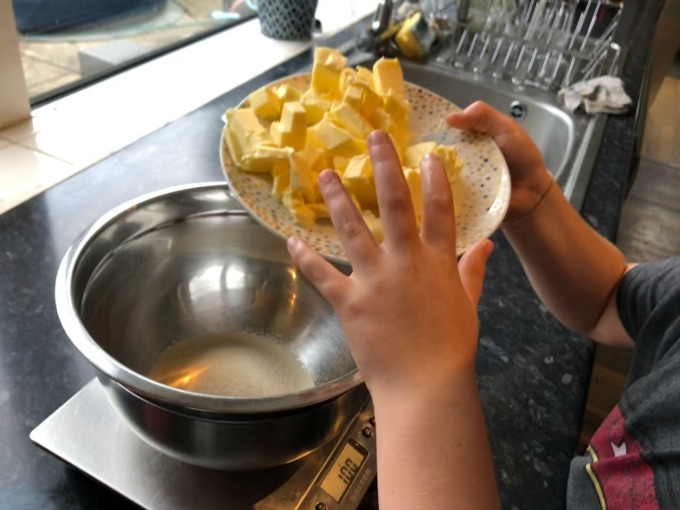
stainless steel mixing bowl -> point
(187, 262)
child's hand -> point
(409, 309)
(529, 176)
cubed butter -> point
(303, 178)
(280, 179)
(287, 93)
(328, 65)
(365, 76)
(301, 213)
(265, 103)
(449, 158)
(334, 140)
(387, 75)
(353, 96)
(315, 105)
(263, 158)
(358, 179)
(396, 106)
(414, 153)
(412, 176)
(347, 77)
(292, 130)
(346, 117)
(245, 131)
(320, 210)
(381, 120)
(340, 163)
(374, 224)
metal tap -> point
(463, 11)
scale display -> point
(344, 470)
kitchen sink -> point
(568, 141)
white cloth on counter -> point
(604, 94)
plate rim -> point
(504, 187)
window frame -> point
(14, 102)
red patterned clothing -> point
(633, 461)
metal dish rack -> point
(549, 44)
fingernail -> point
(377, 137)
(293, 243)
(428, 156)
(326, 177)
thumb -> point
(472, 267)
(481, 117)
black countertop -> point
(533, 373)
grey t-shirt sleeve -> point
(636, 450)
(648, 301)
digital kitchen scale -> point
(88, 433)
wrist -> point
(455, 388)
(530, 199)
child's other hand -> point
(529, 176)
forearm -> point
(572, 268)
(433, 452)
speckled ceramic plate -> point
(482, 194)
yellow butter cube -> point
(340, 163)
(245, 131)
(287, 93)
(334, 140)
(315, 105)
(353, 96)
(265, 103)
(396, 106)
(320, 210)
(413, 180)
(280, 178)
(303, 178)
(414, 153)
(301, 213)
(328, 64)
(304, 215)
(387, 75)
(374, 224)
(364, 76)
(358, 179)
(263, 158)
(452, 163)
(381, 120)
(347, 77)
(347, 117)
(292, 130)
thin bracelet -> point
(531, 211)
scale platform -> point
(87, 433)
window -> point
(68, 43)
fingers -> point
(438, 225)
(472, 267)
(481, 117)
(394, 199)
(357, 240)
(326, 278)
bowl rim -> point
(135, 382)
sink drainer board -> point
(548, 44)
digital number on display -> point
(344, 470)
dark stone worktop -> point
(533, 373)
